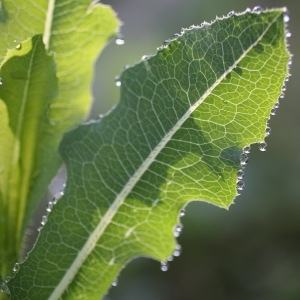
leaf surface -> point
(27, 73)
(177, 135)
(73, 33)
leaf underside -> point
(177, 135)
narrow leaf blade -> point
(29, 84)
(184, 117)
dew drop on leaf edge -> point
(120, 41)
(16, 267)
(257, 9)
(262, 146)
(240, 174)
(164, 266)
(244, 159)
(247, 149)
(240, 185)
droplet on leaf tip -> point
(1, 81)
(231, 13)
(288, 34)
(273, 111)
(268, 131)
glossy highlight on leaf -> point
(177, 135)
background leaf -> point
(27, 73)
(73, 32)
(177, 135)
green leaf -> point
(177, 135)
(27, 73)
(73, 33)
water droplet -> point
(18, 45)
(268, 131)
(4, 288)
(118, 83)
(288, 34)
(160, 48)
(171, 258)
(231, 13)
(240, 185)
(244, 159)
(240, 174)
(247, 149)
(177, 251)
(262, 146)
(101, 116)
(7, 279)
(115, 283)
(257, 9)
(281, 96)
(16, 268)
(1, 81)
(120, 41)
(176, 35)
(164, 266)
(182, 213)
(44, 220)
(248, 10)
(273, 111)
(286, 18)
(145, 57)
(166, 43)
(49, 206)
(178, 230)
(276, 105)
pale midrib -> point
(48, 24)
(113, 209)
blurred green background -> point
(251, 251)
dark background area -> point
(251, 251)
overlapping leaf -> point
(73, 32)
(177, 135)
